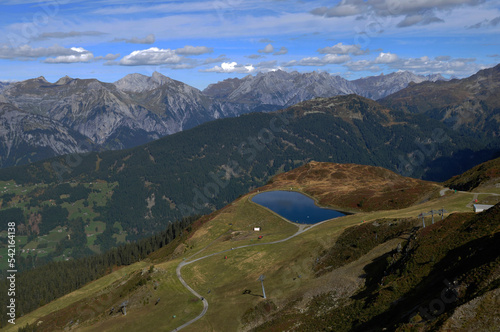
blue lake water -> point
(295, 207)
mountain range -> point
(280, 88)
(84, 215)
(199, 170)
(137, 109)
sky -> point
(203, 42)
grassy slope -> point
(354, 187)
(485, 175)
(464, 247)
(227, 279)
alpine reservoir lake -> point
(295, 207)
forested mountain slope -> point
(138, 191)
(470, 105)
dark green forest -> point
(40, 285)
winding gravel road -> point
(302, 229)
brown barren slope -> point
(354, 187)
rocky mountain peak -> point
(64, 80)
(140, 83)
(275, 73)
(160, 78)
(41, 79)
(436, 77)
(3, 86)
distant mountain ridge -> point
(137, 108)
(282, 88)
(471, 105)
(109, 117)
(98, 110)
(26, 137)
(376, 87)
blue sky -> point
(202, 42)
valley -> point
(222, 258)
(197, 171)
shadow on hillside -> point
(443, 168)
(249, 292)
(474, 259)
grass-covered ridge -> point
(484, 175)
(355, 187)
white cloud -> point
(424, 65)
(254, 56)
(108, 57)
(220, 58)
(190, 25)
(268, 49)
(80, 55)
(194, 50)
(149, 39)
(443, 58)
(267, 65)
(419, 19)
(172, 7)
(234, 67)
(230, 67)
(111, 63)
(53, 54)
(386, 58)
(283, 50)
(151, 56)
(186, 65)
(343, 49)
(71, 34)
(28, 52)
(335, 58)
(175, 59)
(328, 59)
(340, 10)
(420, 12)
(362, 65)
(486, 23)
(390, 7)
